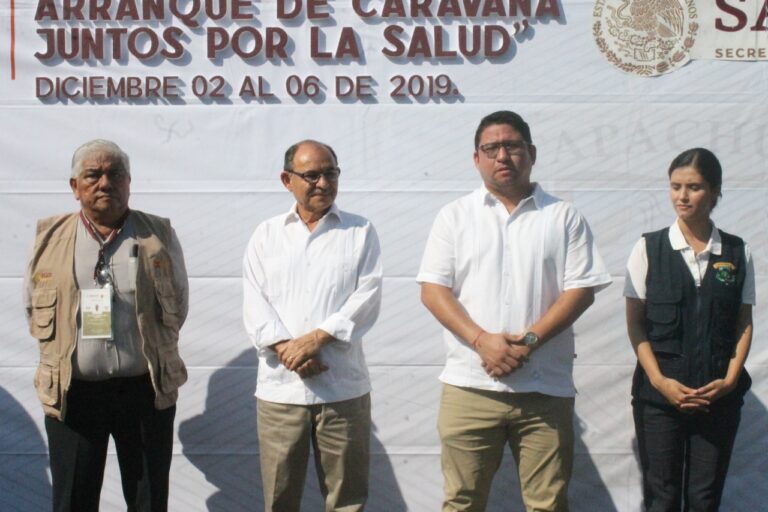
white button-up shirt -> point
(296, 280)
(637, 265)
(507, 269)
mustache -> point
(107, 195)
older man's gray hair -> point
(96, 145)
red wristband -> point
(473, 343)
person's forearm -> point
(568, 307)
(736, 364)
(635, 310)
(441, 302)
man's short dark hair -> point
(291, 152)
(504, 117)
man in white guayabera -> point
(507, 270)
(312, 289)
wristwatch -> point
(531, 339)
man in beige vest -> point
(106, 293)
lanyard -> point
(104, 243)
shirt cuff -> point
(338, 326)
(426, 277)
(597, 282)
(270, 334)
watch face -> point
(530, 338)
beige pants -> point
(475, 425)
(339, 433)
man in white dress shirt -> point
(312, 289)
(507, 270)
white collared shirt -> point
(295, 281)
(507, 269)
(637, 265)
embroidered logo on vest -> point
(725, 272)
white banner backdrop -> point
(211, 164)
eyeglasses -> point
(93, 176)
(512, 147)
(313, 177)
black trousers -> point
(684, 457)
(123, 408)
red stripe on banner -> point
(13, 40)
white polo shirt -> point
(507, 269)
(296, 280)
(637, 265)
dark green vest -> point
(693, 332)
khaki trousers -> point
(339, 433)
(474, 426)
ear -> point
(476, 159)
(532, 152)
(73, 186)
(286, 179)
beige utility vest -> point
(56, 300)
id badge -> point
(96, 313)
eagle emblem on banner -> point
(645, 37)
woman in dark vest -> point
(689, 291)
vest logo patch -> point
(725, 272)
(42, 276)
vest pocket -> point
(47, 384)
(173, 372)
(166, 297)
(664, 325)
(671, 366)
(43, 321)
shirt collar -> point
(537, 196)
(676, 238)
(293, 215)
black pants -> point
(123, 408)
(684, 457)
